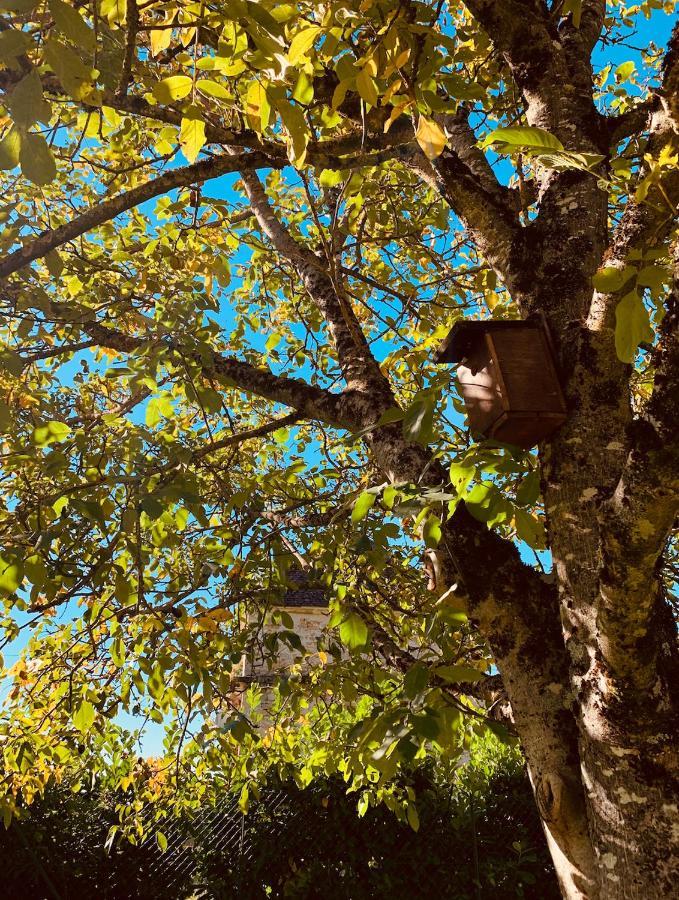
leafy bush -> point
(478, 836)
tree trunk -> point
(600, 743)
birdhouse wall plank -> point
(528, 375)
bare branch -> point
(486, 208)
(132, 22)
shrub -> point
(479, 837)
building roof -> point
(304, 591)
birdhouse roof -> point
(465, 333)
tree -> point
(399, 165)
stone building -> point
(307, 606)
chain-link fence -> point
(221, 831)
(473, 843)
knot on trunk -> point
(549, 795)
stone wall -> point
(308, 622)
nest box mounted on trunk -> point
(508, 379)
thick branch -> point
(527, 40)
(517, 613)
(130, 47)
(308, 400)
(583, 36)
(639, 518)
(359, 367)
(106, 210)
(485, 207)
(633, 122)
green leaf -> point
(273, 341)
(244, 800)
(76, 78)
(529, 529)
(69, 22)
(416, 680)
(176, 87)
(118, 651)
(83, 717)
(54, 263)
(529, 489)
(296, 126)
(213, 89)
(13, 43)
(330, 178)
(110, 838)
(354, 631)
(161, 840)
(389, 496)
(304, 89)
(625, 71)
(413, 816)
(362, 505)
(10, 147)
(522, 138)
(156, 684)
(431, 532)
(459, 674)
(51, 432)
(192, 138)
(302, 43)
(461, 476)
(36, 159)
(26, 103)
(418, 421)
(653, 277)
(610, 279)
(363, 804)
(632, 326)
(11, 575)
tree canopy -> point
(233, 236)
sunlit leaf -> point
(430, 137)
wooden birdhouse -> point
(508, 379)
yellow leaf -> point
(430, 137)
(302, 43)
(395, 113)
(340, 92)
(366, 87)
(192, 138)
(173, 88)
(257, 107)
(391, 90)
(220, 615)
(161, 40)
